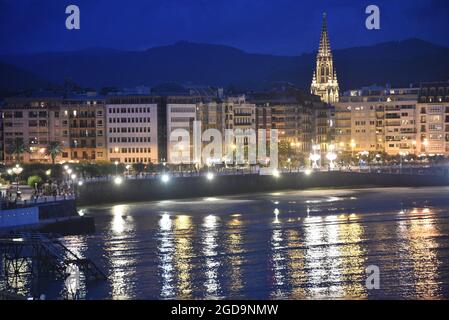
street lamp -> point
(425, 144)
(315, 156)
(116, 167)
(165, 178)
(353, 145)
(331, 156)
(17, 170)
(402, 155)
(118, 181)
(210, 176)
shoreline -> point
(107, 193)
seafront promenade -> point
(166, 186)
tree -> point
(54, 149)
(34, 180)
(138, 167)
(17, 148)
(285, 152)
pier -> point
(42, 255)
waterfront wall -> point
(36, 215)
(19, 217)
(188, 187)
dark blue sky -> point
(287, 27)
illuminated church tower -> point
(324, 82)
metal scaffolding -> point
(40, 255)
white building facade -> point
(131, 130)
(180, 123)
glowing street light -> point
(276, 173)
(210, 176)
(364, 153)
(353, 145)
(165, 178)
(425, 144)
(80, 183)
(331, 156)
(402, 155)
(17, 170)
(116, 167)
(118, 181)
(315, 156)
(308, 172)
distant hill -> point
(13, 79)
(398, 63)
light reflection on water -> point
(272, 246)
(212, 263)
(183, 254)
(421, 250)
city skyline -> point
(137, 127)
(204, 172)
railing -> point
(398, 169)
(23, 203)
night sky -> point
(287, 27)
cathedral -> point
(324, 82)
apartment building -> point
(34, 122)
(293, 120)
(84, 124)
(132, 129)
(210, 114)
(238, 114)
(377, 119)
(283, 115)
(323, 125)
(181, 113)
(433, 119)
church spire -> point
(325, 48)
(324, 81)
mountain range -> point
(398, 63)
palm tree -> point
(17, 148)
(54, 149)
